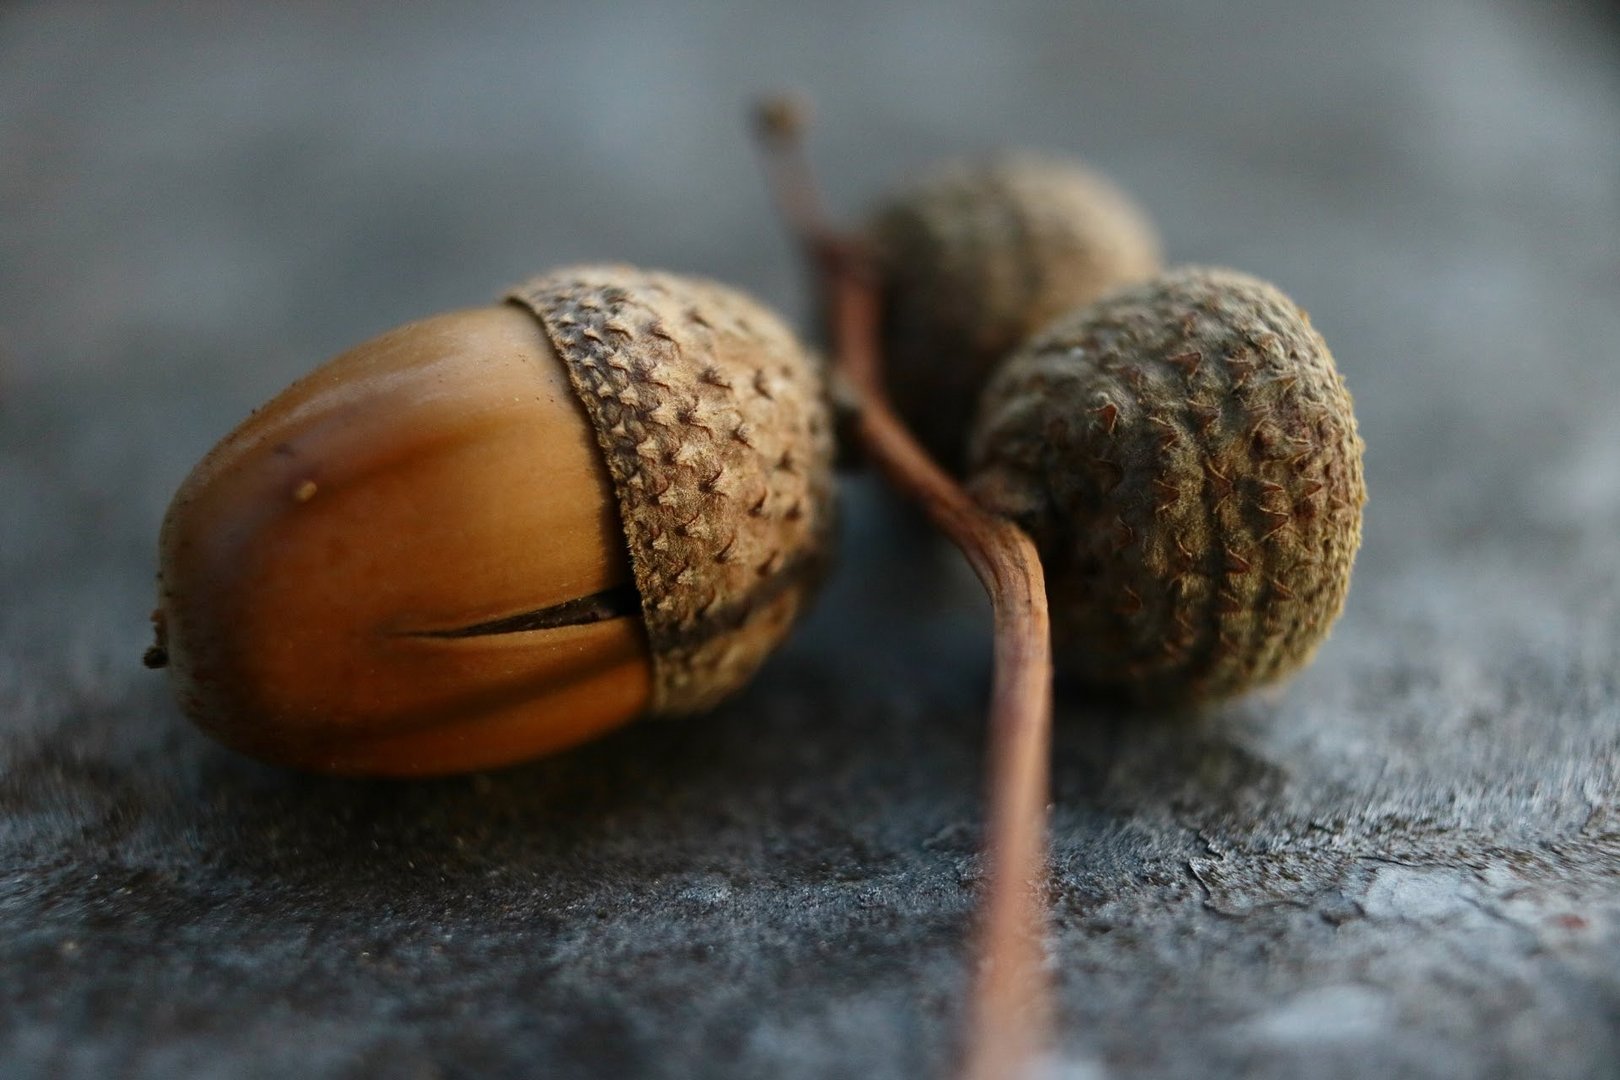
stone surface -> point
(1406, 863)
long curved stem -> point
(1008, 1011)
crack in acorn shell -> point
(614, 603)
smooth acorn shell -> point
(318, 563)
(978, 256)
(417, 559)
(1185, 454)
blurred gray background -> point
(1407, 863)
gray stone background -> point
(1406, 863)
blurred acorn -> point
(978, 256)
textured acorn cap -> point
(1185, 455)
(979, 256)
(713, 422)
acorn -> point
(1185, 455)
(496, 533)
(978, 256)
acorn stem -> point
(1008, 1011)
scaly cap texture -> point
(714, 424)
(979, 256)
(1185, 456)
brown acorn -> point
(495, 533)
(976, 258)
(1185, 456)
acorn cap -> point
(1185, 455)
(978, 256)
(714, 425)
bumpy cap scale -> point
(977, 257)
(495, 533)
(1185, 456)
(714, 427)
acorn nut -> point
(1185, 456)
(496, 533)
(977, 257)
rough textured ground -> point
(1405, 864)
